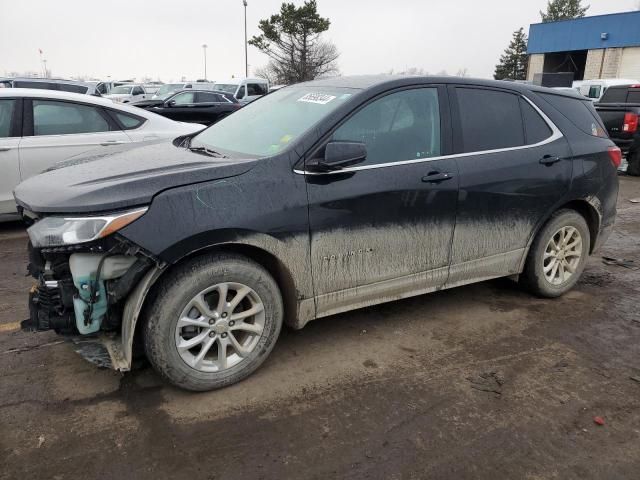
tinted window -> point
(256, 89)
(241, 92)
(489, 119)
(102, 89)
(580, 113)
(67, 87)
(129, 121)
(138, 91)
(184, 98)
(6, 114)
(206, 97)
(535, 128)
(615, 95)
(40, 85)
(594, 91)
(58, 118)
(634, 96)
(400, 126)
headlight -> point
(59, 231)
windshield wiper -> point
(207, 151)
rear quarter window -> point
(615, 95)
(579, 112)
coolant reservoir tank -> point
(84, 269)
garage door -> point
(630, 64)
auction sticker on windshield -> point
(320, 98)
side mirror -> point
(338, 155)
(171, 103)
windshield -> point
(121, 90)
(226, 87)
(165, 90)
(269, 125)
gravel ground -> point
(481, 382)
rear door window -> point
(579, 112)
(62, 118)
(7, 107)
(206, 97)
(138, 91)
(490, 119)
(396, 127)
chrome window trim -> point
(555, 135)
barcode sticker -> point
(319, 98)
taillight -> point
(630, 124)
(615, 154)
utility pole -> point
(204, 50)
(246, 57)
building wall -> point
(594, 64)
(630, 63)
(536, 65)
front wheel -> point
(213, 322)
(558, 255)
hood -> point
(148, 103)
(122, 179)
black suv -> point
(319, 198)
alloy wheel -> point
(562, 255)
(220, 327)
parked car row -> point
(199, 106)
(41, 127)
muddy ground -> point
(482, 382)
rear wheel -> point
(558, 255)
(633, 164)
(214, 321)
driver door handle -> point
(549, 160)
(437, 177)
(111, 142)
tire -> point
(178, 297)
(633, 164)
(537, 276)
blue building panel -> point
(620, 29)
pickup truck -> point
(619, 109)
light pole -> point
(204, 51)
(246, 57)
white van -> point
(594, 89)
(244, 89)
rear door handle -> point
(437, 177)
(549, 160)
(111, 142)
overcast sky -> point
(163, 38)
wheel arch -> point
(140, 298)
(589, 208)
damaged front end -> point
(85, 273)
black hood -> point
(148, 103)
(122, 179)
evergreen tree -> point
(563, 10)
(292, 40)
(513, 62)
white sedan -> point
(39, 128)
